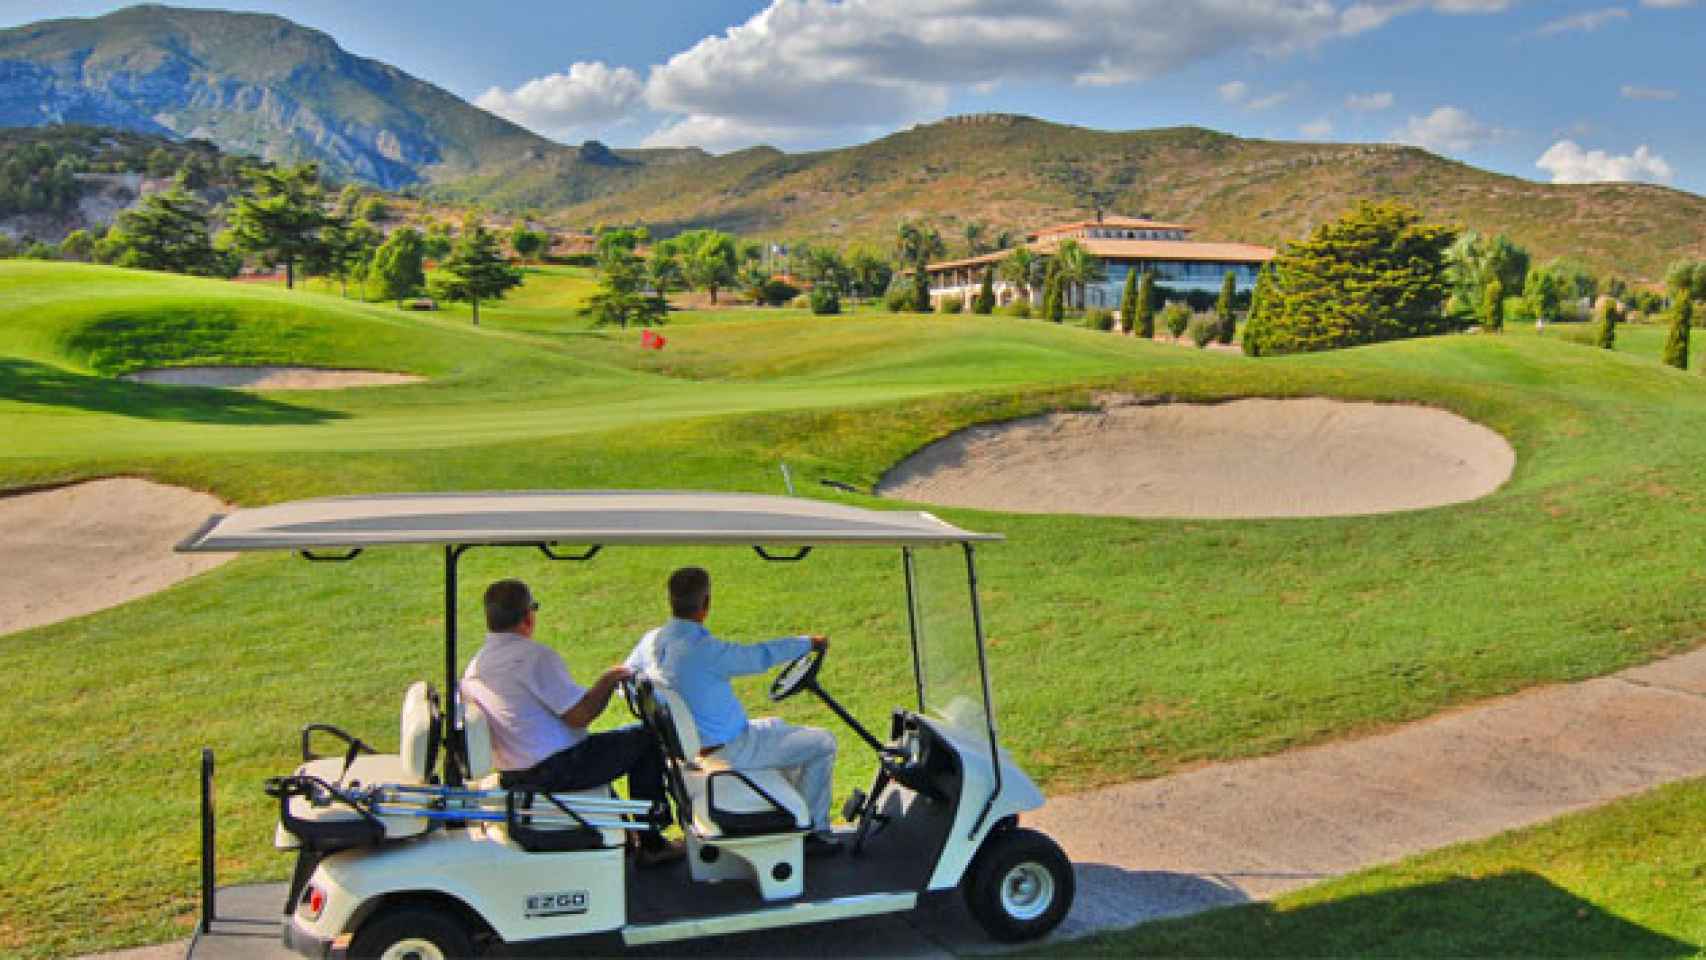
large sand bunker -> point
(269, 378)
(74, 550)
(1246, 458)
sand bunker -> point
(1246, 458)
(74, 550)
(269, 378)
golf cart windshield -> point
(949, 652)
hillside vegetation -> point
(1018, 173)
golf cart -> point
(422, 854)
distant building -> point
(1123, 244)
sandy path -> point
(74, 550)
(1245, 458)
(269, 378)
(1255, 829)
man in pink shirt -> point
(538, 716)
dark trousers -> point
(596, 761)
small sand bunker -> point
(1246, 458)
(269, 378)
(74, 550)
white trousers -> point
(803, 755)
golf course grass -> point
(1625, 880)
(1119, 648)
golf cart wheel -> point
(412, 933)
(1020, 885)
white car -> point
(420, 854)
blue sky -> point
(1544, 89)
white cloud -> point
(1667, 4)
(1447, 130)
(810, 67)
(1238, 92)
(1317, 129)
(1567, 162)
(1632, 91)
(801, 70)
(1585, 22)
(1370, 102)
(1367, 15)
(589, 94)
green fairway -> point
(1121, 648)
(1626, 880)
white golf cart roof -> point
(573, 517)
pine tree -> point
(1493, 307)
(1377, 273)
(1606, 334)
(985, 302)
(280, 216)
(1146, 307)
(1226, 321)
(1128, 301)
(1676, 344)
(477, 269)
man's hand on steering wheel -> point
(801, 671)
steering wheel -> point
(798, 674)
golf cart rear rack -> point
(518, 810)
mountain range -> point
(260, 84)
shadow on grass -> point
(29, 382)
(1508, 914)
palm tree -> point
(1078, 269)
(974, 238)
(916, 245)
(1022, 268)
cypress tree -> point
(1128, 301)
(1226, 321)
(1676, 344)
(1256, 323)
(1493, 307)
(920, 288)
(985, 302)
(1606, 335)
(1054, 300)
(1146, 306)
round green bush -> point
(824, 300)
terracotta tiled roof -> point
(1123, 223)
(1132, 250)
(1165, 250)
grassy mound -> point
(1121, 648)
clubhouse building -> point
(1122, 244)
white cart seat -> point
(409, 765)
(728, 802)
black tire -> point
(438, 935)
(1019, 886)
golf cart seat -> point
(337, 824)
(740, 824)
(483, 775)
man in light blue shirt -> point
(683, 654)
